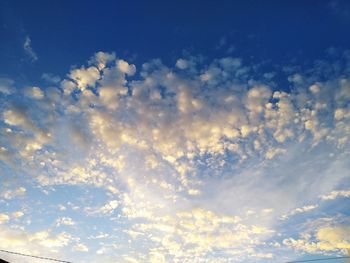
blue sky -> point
(158, 131)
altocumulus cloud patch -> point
(196, 162)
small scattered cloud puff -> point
(106, 209)
(65, 221)
(80, 247)
(4, 218)
(181, 63)
(17, 214)
(35, 93)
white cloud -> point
(336, 194)
(4, 218)
(66, 221)
(125, 67)
(181, 63)
(85, 77)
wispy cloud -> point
(29, 50)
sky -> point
(175, 131)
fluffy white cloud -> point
(125, 67)
(85, 77)
(17, 117)
(101, 59)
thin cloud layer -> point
(196, 162)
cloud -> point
(17, 214)
(181, 63)
(4, 218)
(324, 239)
(66, 221)
(106, 209)
(6, 86)
(299, 210)
(335, 194)
(101, 59)
(85, 77)
(9, 194)
(31, 137)
(81, 247)
(198, 233)
(17, 117)
(191, 162)
(125, 67)
(29, 50)
(35, 93)
(51, 78)
(37, 243)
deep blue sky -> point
(64, 33)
